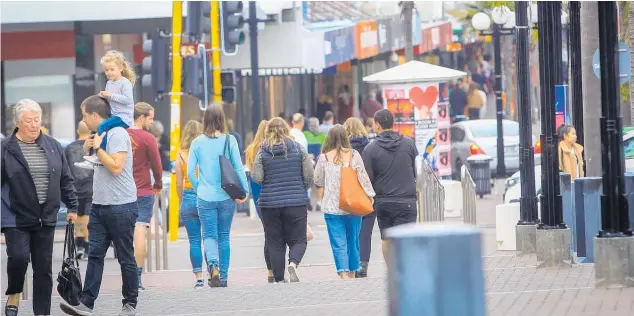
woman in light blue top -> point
(215, 207)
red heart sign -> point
(422, 98)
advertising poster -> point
(416, 110)
(443, 137)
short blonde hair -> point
(118, 58)
(354, 128)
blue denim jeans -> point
(111, 223)
(343, 232)
(189, 216)
(215, 220)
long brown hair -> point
(214, 120)
(354, 128)
(191, 130)
(252, 149)
(336, 140)
(276, 132)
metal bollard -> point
(164, 226)
(587, 216)
(156, 244)
(148, 238)
(468, 196)
(431, 194)
(435, 270)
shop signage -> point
(397, 33)
(283, 71)
(338, 46)
(366, 39)
(385, 38)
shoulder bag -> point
(69, 284)
(352, 197)
(229, 180)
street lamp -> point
(482, 22)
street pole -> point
(574, 50)
(407, 7)
(215, 51)
(549, 15)
(501, 168)
(614, 207)
(175, 118)
(255, 75)
(528, 200)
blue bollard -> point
(587, 216)
(629, 193)
(565, 189)
(435, 270)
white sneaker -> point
(92, 159)
(85, 165)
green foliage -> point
(625, 93)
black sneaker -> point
(271, 279)
(318, 207)
(214, 276)
(223, 283)
(11, 310)
(80, 253)
(310, 207)
(363, 273)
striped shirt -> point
(38, 168)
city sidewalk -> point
(514, 285)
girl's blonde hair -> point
(252, 149)
(118, 58)
(191, 130)
(354, 128)
(276, 132)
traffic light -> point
(232, 23)
(155, 67)
(228, 81)
(198, 20)
(197, 79)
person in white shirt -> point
(297, 128)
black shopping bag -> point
(69, 279)
(229, 180)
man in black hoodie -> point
(390, 163)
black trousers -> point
(284, 227)
(36, 242)
(365, 236)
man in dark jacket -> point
(390, 163)
(458, 99)
(35, 179)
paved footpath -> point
(514, 285)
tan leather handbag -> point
(352, 197)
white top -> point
(299, 138)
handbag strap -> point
(227, 147)
(69, 241)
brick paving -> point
(514, 285)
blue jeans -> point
(111, 223)
(145, 205)
(343, 232)
(215, 219)
(189, 215)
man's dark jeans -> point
(111, 223)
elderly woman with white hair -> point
(35, 179)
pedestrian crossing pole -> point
(175, 116)
(215, 51)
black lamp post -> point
(528, 199)
(614, 207)
(550, 52)
(574, 49)
(482, 22)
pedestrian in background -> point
(358, 136)
(187, 197)
(327, 123)
(35, 179)
(343, 228)
(215, 206)
(256, 188)
(570, 153)
(390, 160)
(113, 213)
(146, 157)
(315, 139)
(297, 128)
(83, 186)
(474, 102)
(285, 171)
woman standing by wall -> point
(187, 197)
(215, 206)
(569, 152)
(285, 171)
(343, 228)
(256, 188)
